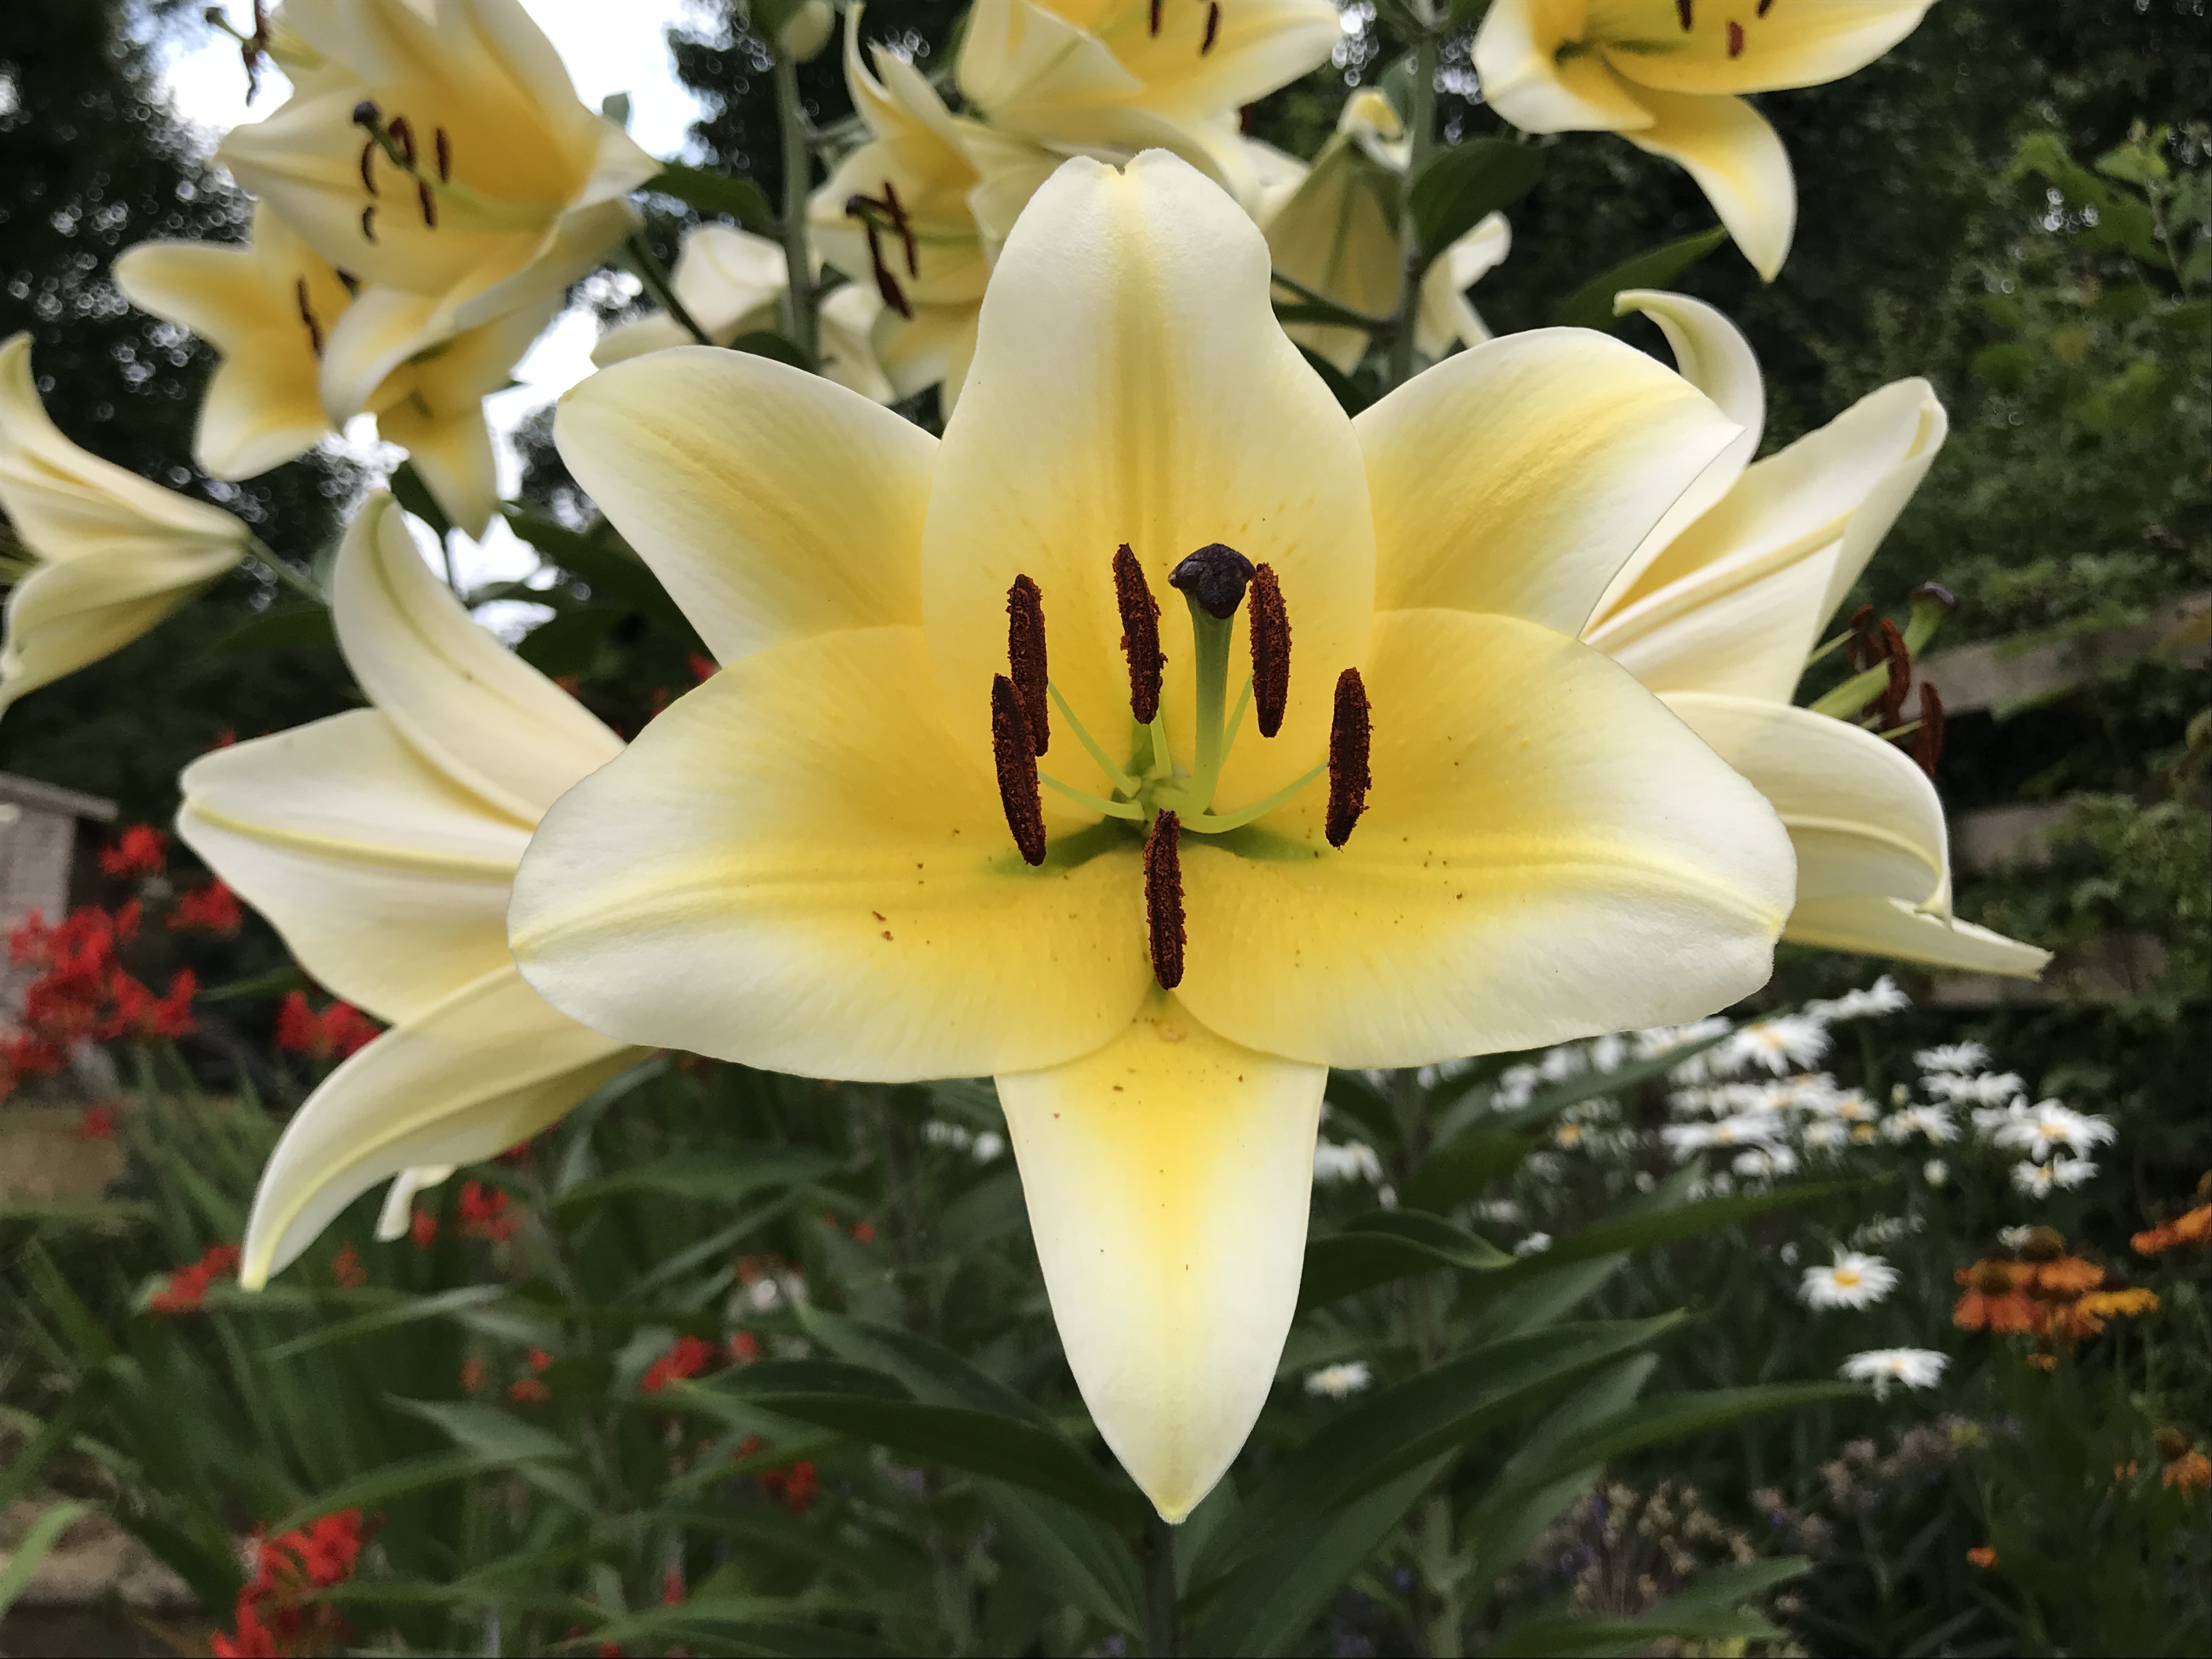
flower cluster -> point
(185, 1290)
(274, 1615)
(331, 1033)
(83, 994)
(2042, 1291)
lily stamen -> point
(1025, 655)
(1141, 642)
(307, 315)
(1015, 762)
(1270, 625)
(1348, 780)
(1212, 27)
(1928, 741)
(1163, 919)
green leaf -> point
(1705, 1609)
(486, 1429)
(275, 982)
(746, 1623)
(405, 1310)
(281, 627)
(411, 493)
(1349, 397)
(1590, 306)
(45, 1532)
(1675, 1416)
(935, 1375)
(1462, 186)
(1373, 1249)
(1457, 1171)
(1267, 1604)
(568, 643)
(1075, 1557)
(716, 193)
(764, 342)
(713, 1180)
(51, 1437)
(982, 1443)
(399, 1479)
(1401, 1427)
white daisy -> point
(2047, 1126)
(1517, 1087)
(1934, 1172)
(988, 1146)
(1783, 1043)
(1887, 1368)
(1498, 1212)
(1826, 1135)
(1559, 1065)
(1764, 1162)
(2036, 1179)
(1849, 1106)
(1983, 1089)
(1852, 1280)
(1882, 997)
(1534, 1244)
(1956, 1057)
(1339, 1382)
(938, 1132)
(1608, 1052)
(2014, 1238)
(1751, 1129)
(1932, 1121)
(1342, 1161)
(1660, 1039)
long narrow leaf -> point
(45, 1532)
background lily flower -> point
(1336, 232)
(1721, 606)
(381, 844)
(732, 282)
(1129, 74)
(268, 308)
(1665, 76)
(833, 857)
(440, 155)
(112, 555)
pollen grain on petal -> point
(1271, 650)
(1025, 655)
(1019, 793)
(1164, 921)
(1348, 780)
(1140, 635)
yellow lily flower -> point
(732, 282)
(382, 844)
(438, 154)
(1719, 609)
(1126, 74)
(112, 554)
(1454, 830)
(268, 308)
(1665, 76)
(1336, 232)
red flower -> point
(540, 1360)
(98, 1123)
(348, 1269)
(484, 1213)
(671, 1589)
(142, 850)
(703, 668)
(211, 909)
(296, 1024)
(139, 1013)
(286, 1572)
(187, 1288)
(864, 1232)
(744, 1348)
(687, 1356)
(793, 1487)
(224, 739)
(251, 1641)
(425, 1228)
(333, 1034)
(529, 1389)
(127, 916)
(472, 1375)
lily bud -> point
(798, 29)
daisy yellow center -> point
(1846, 1277)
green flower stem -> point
(259, 551)
(1163, 1621)
(1423, 1303)
(798, 184)
(657, 283)
(1113, 809)
(1120, 779)
(1421, 125)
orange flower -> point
(2125, 1304)
(2044, 1362)
(1983, 1556)
(1993, 1300)
(2068, 1276)
(2190, 1472)
(2194, 1228)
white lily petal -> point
(1168, 1177)
(1878, 927)
(489, 1066)
(1727, 146)
(396, 1218)
(487, 719)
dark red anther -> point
(1212, 27)
(1271, 650)
(307, 315)
(1018, 771)
(1765, 6)
(445, 146)
(1140, 635)
(368, 222)
(1735, 39)
(904, 226)
(1862, 651)
(429, 202)
(866, 209)
(403, 134)
(1891, 707)
(367, 166)
(1683, 10)
(1025, 654)
(1163, 899)
(1348, 782)
(1928, 741)
(1155, 18)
